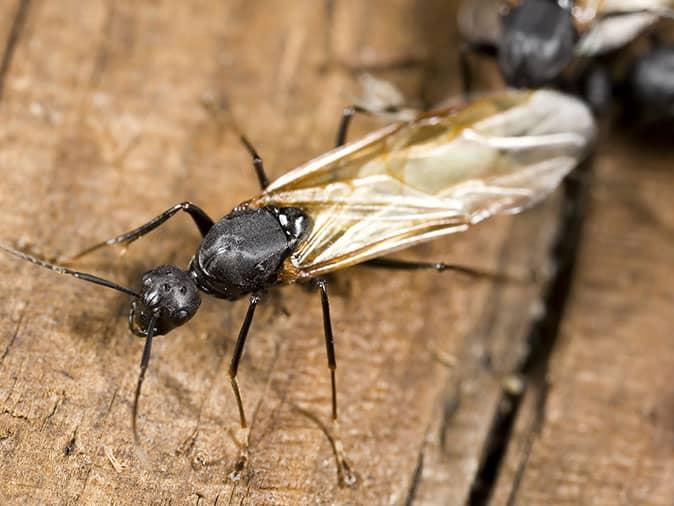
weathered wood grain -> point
(600, 429)
(102, 127)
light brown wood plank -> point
(101, 128)
(601, 432)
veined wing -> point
(605, 25)
(611, 24)
(587, 10)
(439, 174)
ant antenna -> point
(144, 361)
(149, 333)
(64, 270)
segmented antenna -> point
(64, 270)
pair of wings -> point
(604, 25)
(438, 174)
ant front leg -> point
(201, 220)
(346, 475)
(233, 370)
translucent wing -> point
(585, 10)
(439, 174)
(605, 25)
(610, 24)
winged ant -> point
(575, 46)
(411, 181)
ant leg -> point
(233, 369)
(347, 116)
(482, 48)
(346, 475)
(144, 361)
(350, 111)
(257, 162)
(221, 112)
(403, 265)
(201, 220)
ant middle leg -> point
(198, 215)
(233, 370)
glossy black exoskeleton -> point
(168, 292)
(533, 41)
(240, 254)
(352, 212)
(243, 252)
(537, 43)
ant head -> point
(169, 295)
(169, 299)
(538, 43)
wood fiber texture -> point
(600, 429)
(103, 125)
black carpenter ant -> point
(403, 184)
(574, 46)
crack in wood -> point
(58, 402)
(541, 396)
(542, 340)
(121, 76)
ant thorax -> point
(244, 251)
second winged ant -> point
(403, 184)
(574, 45)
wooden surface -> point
(102, 126)
(600, 428)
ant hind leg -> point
(345, 473)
